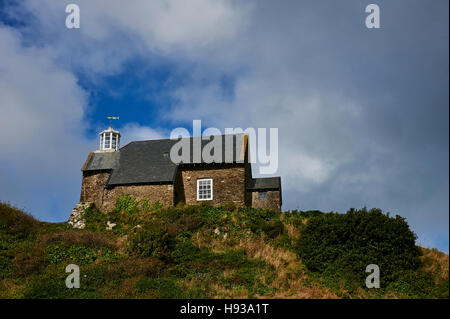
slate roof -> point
(101, 161)
(144, 162)
(149, 161)
(265, 183)
(233, 153)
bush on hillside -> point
(151, 240)
(346, 243)
(263, 221)
(16, 221)
(94, 218)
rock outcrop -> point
(76, 219)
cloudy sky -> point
(363, 114)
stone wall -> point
(272, 201)
(92, 186)
(228, 184)
(163, 193)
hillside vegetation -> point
(216, 252)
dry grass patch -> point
(10, 289)
(276, 257)
(292, 231)
(76, 237)
(126, 289)
(235, 293)
(297, 290)
(122, 244)
(289, 270)
(215, 243)
(435, 262)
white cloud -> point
(41, 103)
(41, 127)
(112, 32)
(135, 132)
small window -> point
(107, 141)
(262, 195)
(204, 189)
(113, 142)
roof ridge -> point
(169, 139)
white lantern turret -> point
(109, 140)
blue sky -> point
(362, 114)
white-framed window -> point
(262, 195)
(205, 189)
(114, 139)
(107, 140)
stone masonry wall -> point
(272, 201)
(154, 192)
(228, 184)
(92, 186)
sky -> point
(362, 114)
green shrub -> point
(418, 284)
(151, 240)
(145, 205)
(48, 286)
(28, 258)
(263, 221)
(349, 242)
(192, 217)
(52, 285)
(127, 203)
(307, 213)
(5, 267)
(75, 254)
(297, 218)
(229, 207)
(157, 205)
(184, 224)
(95, 219)
(6, 256)
(49, 227)
(284, 241)
(273, 228)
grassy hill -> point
(207, 252)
